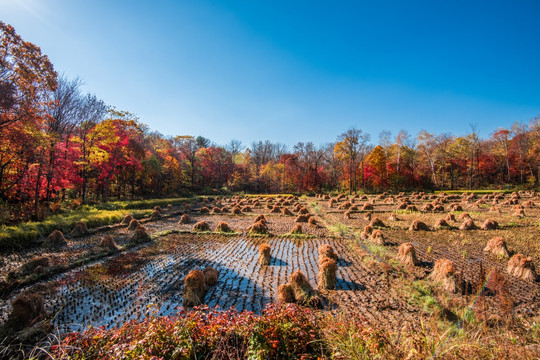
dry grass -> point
(211, 276)
(194, 288)
(418, 225)
(497, 246)
(326, 279)
(133, 224)
(264, 254)
(407, 254)
(522, 267)
(55, 241)
(201, 226)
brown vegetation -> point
(264, 254)
(201, 226)
(407, 254)
(522, 267)
(497, 246)
(194, 288)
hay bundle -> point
(326, 251)
(211, 275)
(345, 205)
(366, 232)
(133, 224)
(127, 220)
(302, 218)
(80, 229)
(246, 208)
(302, 291)
(529, 204)
(445, 272)
(354, 208)
(411, 208)
(216, 210)
(204, 210)
(438, 208)
(312, 221)
(187, 207)
(367, 216)
(378, 237)
(497, 246)
(465, 216)
(286, 211)
(376, 222)
(237, 210)
(194, 288)
(26, 309)
(427, 207)
(223, 227)
(519, 213)
(393, 217)
(259, 218)
(260, 227)
(225, 210)
(418, 225)
(347, 214)
(264, 254)
(158, 209)
(402, 206)
(297, 229)
(517, 207)
(490, 224)
(326, 279)
(407, 254)
(450, 217)
(139, 236)
(201, 226)
(297, 207)
(331, 202)
(367, 207)
(522, 267)
(276, 209)
(456, 207)
(468, 225)
(35, 265)
(303, 211)
(156, 215)
(108, 243)
(495, 209)
(55, 240)
(184, 219)
(441, 223)
(285, 293)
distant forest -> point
(58, 144)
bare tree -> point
(63, 116)
(353, 145)
(90, 113)
(385, 140)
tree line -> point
(58, 144)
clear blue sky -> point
(296, 71)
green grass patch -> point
(472, 191)
(26, 234)
(298, 236)
(138, 204)
(421, 294)
(340, 229)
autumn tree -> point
(352, 148)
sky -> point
(291, 71)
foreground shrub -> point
(283, 331)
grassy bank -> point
(26, 234)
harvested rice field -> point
(383, 258)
